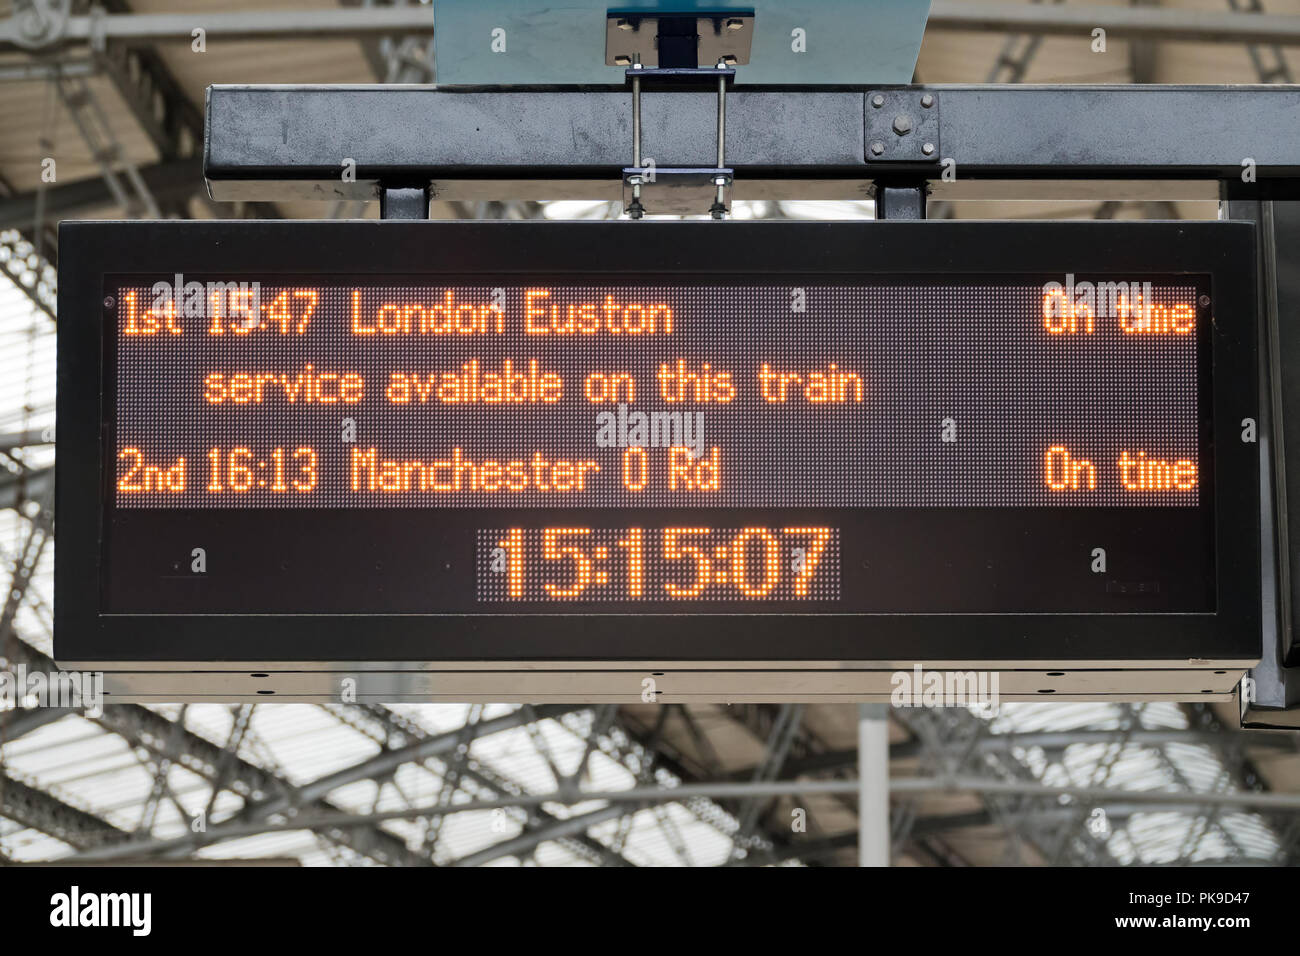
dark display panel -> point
(953, 531)
(666, 442)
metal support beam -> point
(530, 840)
(389, 760)
(299, 800)
(1078, 21)
(119, 171)
(25, 439)
(23, 720)
(1142, 52)
(38, 235)
(34, 274)
(288, 142)
(15, 489)
(1269, 60)
(168, 180)
(396, 59)
(873, 785)
(404, 203)
(221, 26)
(142, 727)
(153, 94)
(1018, 51)
(894, 201)
(50, 815)
(284, 25)
(904, 788)
(779, 740)
(1231, 747)
(456, 765)
(1276, 681)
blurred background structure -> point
(115, 130)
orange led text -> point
(545, 317)
(680, 382)
(307, 387)
(1137, 472)
(448, 317)
(1062, 472)
(472, 384)
(832, 385)
(459, 472)
(141, 477)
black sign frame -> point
(90, 251)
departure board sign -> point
(806, 431)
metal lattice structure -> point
(460, 785)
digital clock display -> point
(675, 564)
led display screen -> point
(549, 436)
(801, 413)
(1018, 392)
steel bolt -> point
(877, 149)
(877, 101)
(902, 124)
(109, 302)
(928, 149)
(927, 101)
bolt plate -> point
(677, 191)
(720, 35)
(894, 147)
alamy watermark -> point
(634, 429)
(977, 690)
(72, 689)
(1075, 307)
(75, 908)
(196, 300)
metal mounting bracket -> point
(678, 190)
(676, 45)
(678, 41)
(902, 126)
